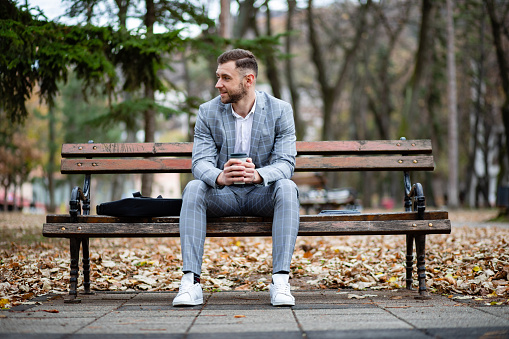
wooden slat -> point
(364, 147)
(313, 164)
(428, 215)
(367, 163)
(303, 148)
(127, 149)
(102, 166)
(230, 228)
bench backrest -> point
(313, 156)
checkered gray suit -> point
(273, 152)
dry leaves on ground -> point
(469, 262)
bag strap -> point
(138, 195)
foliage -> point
(39, 52)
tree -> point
(422, 70)
(452, 191)
(143, 56)
(330, 88)
(500, 32)
(300, 130)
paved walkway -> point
(318, 314)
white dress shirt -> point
(243, 128)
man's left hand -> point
(251, 176)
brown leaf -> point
(308, 254)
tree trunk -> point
(421, 70)
(300, 128)
(52, 147)
(149, 114)
(452, 191)
(270, 60)
(503, 63)
(225, 20)
(6, 205)
(474, 129)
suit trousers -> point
(200, 200)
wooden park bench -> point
(319, 156)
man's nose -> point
(219, 83)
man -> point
(244, 120)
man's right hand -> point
(234, 171)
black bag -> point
(139, 206)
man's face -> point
(230, 83)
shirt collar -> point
(251, 112)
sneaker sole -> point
(283, 304)
(188, 303)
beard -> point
(235, 96)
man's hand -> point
(252, 176)
(237, 171)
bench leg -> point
(420, 248)
(86, 264)
(75, 256)
(409, 260)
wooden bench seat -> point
(320, 156)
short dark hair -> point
(244, 59)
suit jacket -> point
(272, 139)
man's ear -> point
(250, 79)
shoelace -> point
(282, 288)
(185, 288)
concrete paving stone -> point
(502, 312)
(340, 311)
(329, 297)
(34, 336)
(243, 307)
(159, 308)
(368, 334)
(470, 332)
(341, 320)
(242, 328)
(154, 313)
(333, 306)
(272, 316)
(139, 325)
(447, 317)
(246, 335)
(130, 336)
(396, 301)
(103, 295)
(57, 311)
(156, 298)
(143, 314)
(22, 326)
(275, 319)
(239, 298)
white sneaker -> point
(190, 294)
(280, 291)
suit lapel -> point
(259, 117)
(229, 128)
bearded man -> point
(241, 120)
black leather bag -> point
(140, 206)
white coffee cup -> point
(242, 157)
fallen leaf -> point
(239, 316)
(308, 255)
